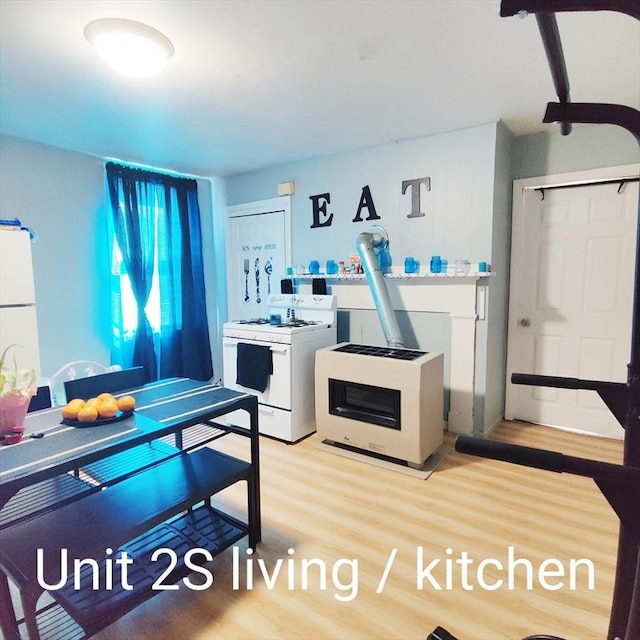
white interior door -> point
(572, 285)
(258, 250)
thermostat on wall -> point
(286, 188)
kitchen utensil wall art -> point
(252, 273)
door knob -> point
(524, 322)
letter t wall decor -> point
(415, 194)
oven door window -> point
(365, 403)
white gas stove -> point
(285, 344)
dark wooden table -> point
(164, 408)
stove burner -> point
(253, 321)
(296, 322)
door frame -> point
(270, 205)
(258, 207)
(517, 269)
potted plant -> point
(17, 386)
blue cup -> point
(436, 264)
(332, 267)
(483, 267)
(314, 267)
(411, 265)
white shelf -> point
(392, 276)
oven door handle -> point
(279, 349)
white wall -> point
(61, 195)
(458, 207)
(460, 222)
(490, 380)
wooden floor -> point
(352, 516)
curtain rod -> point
(591, 183)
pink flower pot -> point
(13, 410)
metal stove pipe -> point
(365, 244)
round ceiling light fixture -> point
(131, 48)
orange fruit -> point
(104, 396)
(108, 408)
(70, 410)
(92, 402)
(127, 403)
(88, 413)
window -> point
(123, 303)
(159, 318)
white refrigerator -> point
(18, 322)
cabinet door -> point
(18, 325)
(16, 269)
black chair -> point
(110, 382)
(41, 399)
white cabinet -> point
(16, 271)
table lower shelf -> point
(203, 528)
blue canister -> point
(384, 260)
(411, 265)
(332, 267)
(314, 267)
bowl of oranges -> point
(103, 409)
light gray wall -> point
(214, 256)
(487, 416)
(61, 195)
(586, 147)
(470, 217)
(458, 207)
(470, 189)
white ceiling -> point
(255, 83)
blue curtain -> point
(154, 214)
